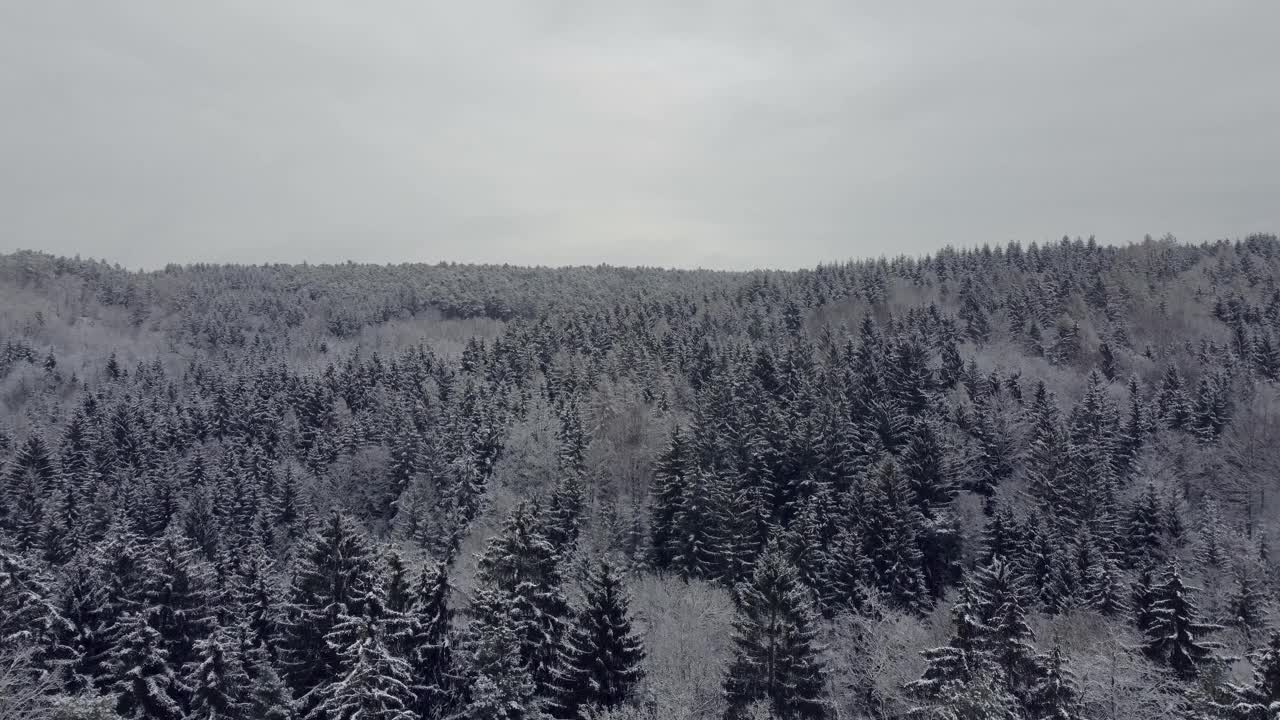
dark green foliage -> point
(600, 664)
(892, 527)
(775, 640)
(429, 649)
(1055, 695)
(218, 682)
(184, 480)
(371, 684)
(519, 570)
(335, 577)
(140, 676)
(670, 474)
(1174, 634)
(499, 683)
(28, 480)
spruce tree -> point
(266, 695)
(775, 640)
(600, 664)
(1144, 534)
(565, 512)
(335, 577)
(30, 617)
(924, 464)
(521, 566)
(218, 682)
(177, 597)
(372, 683)
(1246, 604)
(29, 479)
(695, 547)
(667, 491)
(1175, 635)
(891, 532)
(1007, 637)
(143, 682)
(499, 683)
(846, 573)
(430, 651)
(1055, 695)
(962, 678)
(1103, 590)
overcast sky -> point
(720, 134)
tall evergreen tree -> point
(565, 512)
(600, 665)
(143, 682)
(1175, 635)
(177, 598)
(667, 491)
(28, 480)
(891, 536)
(499, 683)
(373, 684)
(430, 651)
(962, 679)
(1055, 695)
(335, 577)
(218, 682)
(521, 566)
(775, 639)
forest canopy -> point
(1001, 482)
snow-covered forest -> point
(1008, 482)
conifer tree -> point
(1055, 695)
(29, 617)
(694, 548)
(995, 449)
(1107, 362)
(1045, 457)
(1143, 599)
(257, 600)
(775, 639)
(1174, 635)
(1036, 563)
(1246, 605)
(144, 683)
(335, 577)
(565, 512)
(961, 679)
(372, 683)
(218, 682)
(601, 661)
(499, 683)
(1172, 403)
(1001, 537)
(1007, 636)
(924, 464)
(521, 567)
(266, 696)
(667, 492)
(1103, 591)
(846, 573)
(177, 599)
(430, 651)
(28, 480)
(1145, 532)
(891, 532)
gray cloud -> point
(727, 134)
